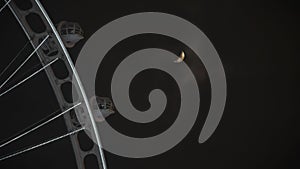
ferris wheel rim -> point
(75, 74)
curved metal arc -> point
(75, 74)
(69, 61)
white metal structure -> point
(50, 48)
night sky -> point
(257, 42)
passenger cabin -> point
(70, 32)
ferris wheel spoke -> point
(40, 145)
(27, 78)
(24, 61)
(38, 125)
(24, 74)
(4, 5)
(12, 61)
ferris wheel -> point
(49, 43)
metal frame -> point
(56, 83)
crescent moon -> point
(181, 58)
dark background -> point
(258, 44)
